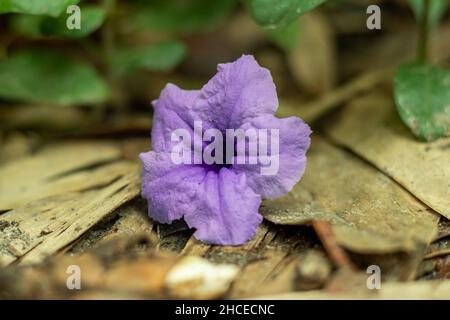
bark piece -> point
(44, 227)
(57, 169)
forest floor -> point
(372, 195)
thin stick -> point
(436, 254)
(337, 254)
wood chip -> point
(267, 262)
(44, 227)
(129, 220)
(196, 278)
(313, 269)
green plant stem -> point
(108, 40)
(107, 47)
(424, 32)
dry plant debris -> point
(384, 141)
(372, 194)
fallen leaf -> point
(369, 212)
(370, 127)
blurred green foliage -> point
(181, 16)
(46, 76)
(280, 13)
(423, 100)
(279, 18)
(39, 76)
(422, 90)
(436, 11)
(27, 25)
(286, 38)
(162, 56)
(91, 19)
(34, 26)
(52, 8)
(120, 38)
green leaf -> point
(39, 7)
(48, 77)
(280, 13)
(437, 10)
(35, 26)
(27, 25)
(157, 57)
(422, 95)
(92, 17)
(181, 16)
(286, 38)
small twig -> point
(367, 81)
(432, 255)
(328, 239)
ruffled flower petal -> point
(171, 190)
(221, 201)
(219, 204)
(239, 92)
(227, 212)
(294, 141)
(173, 110)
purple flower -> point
(221, 201)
